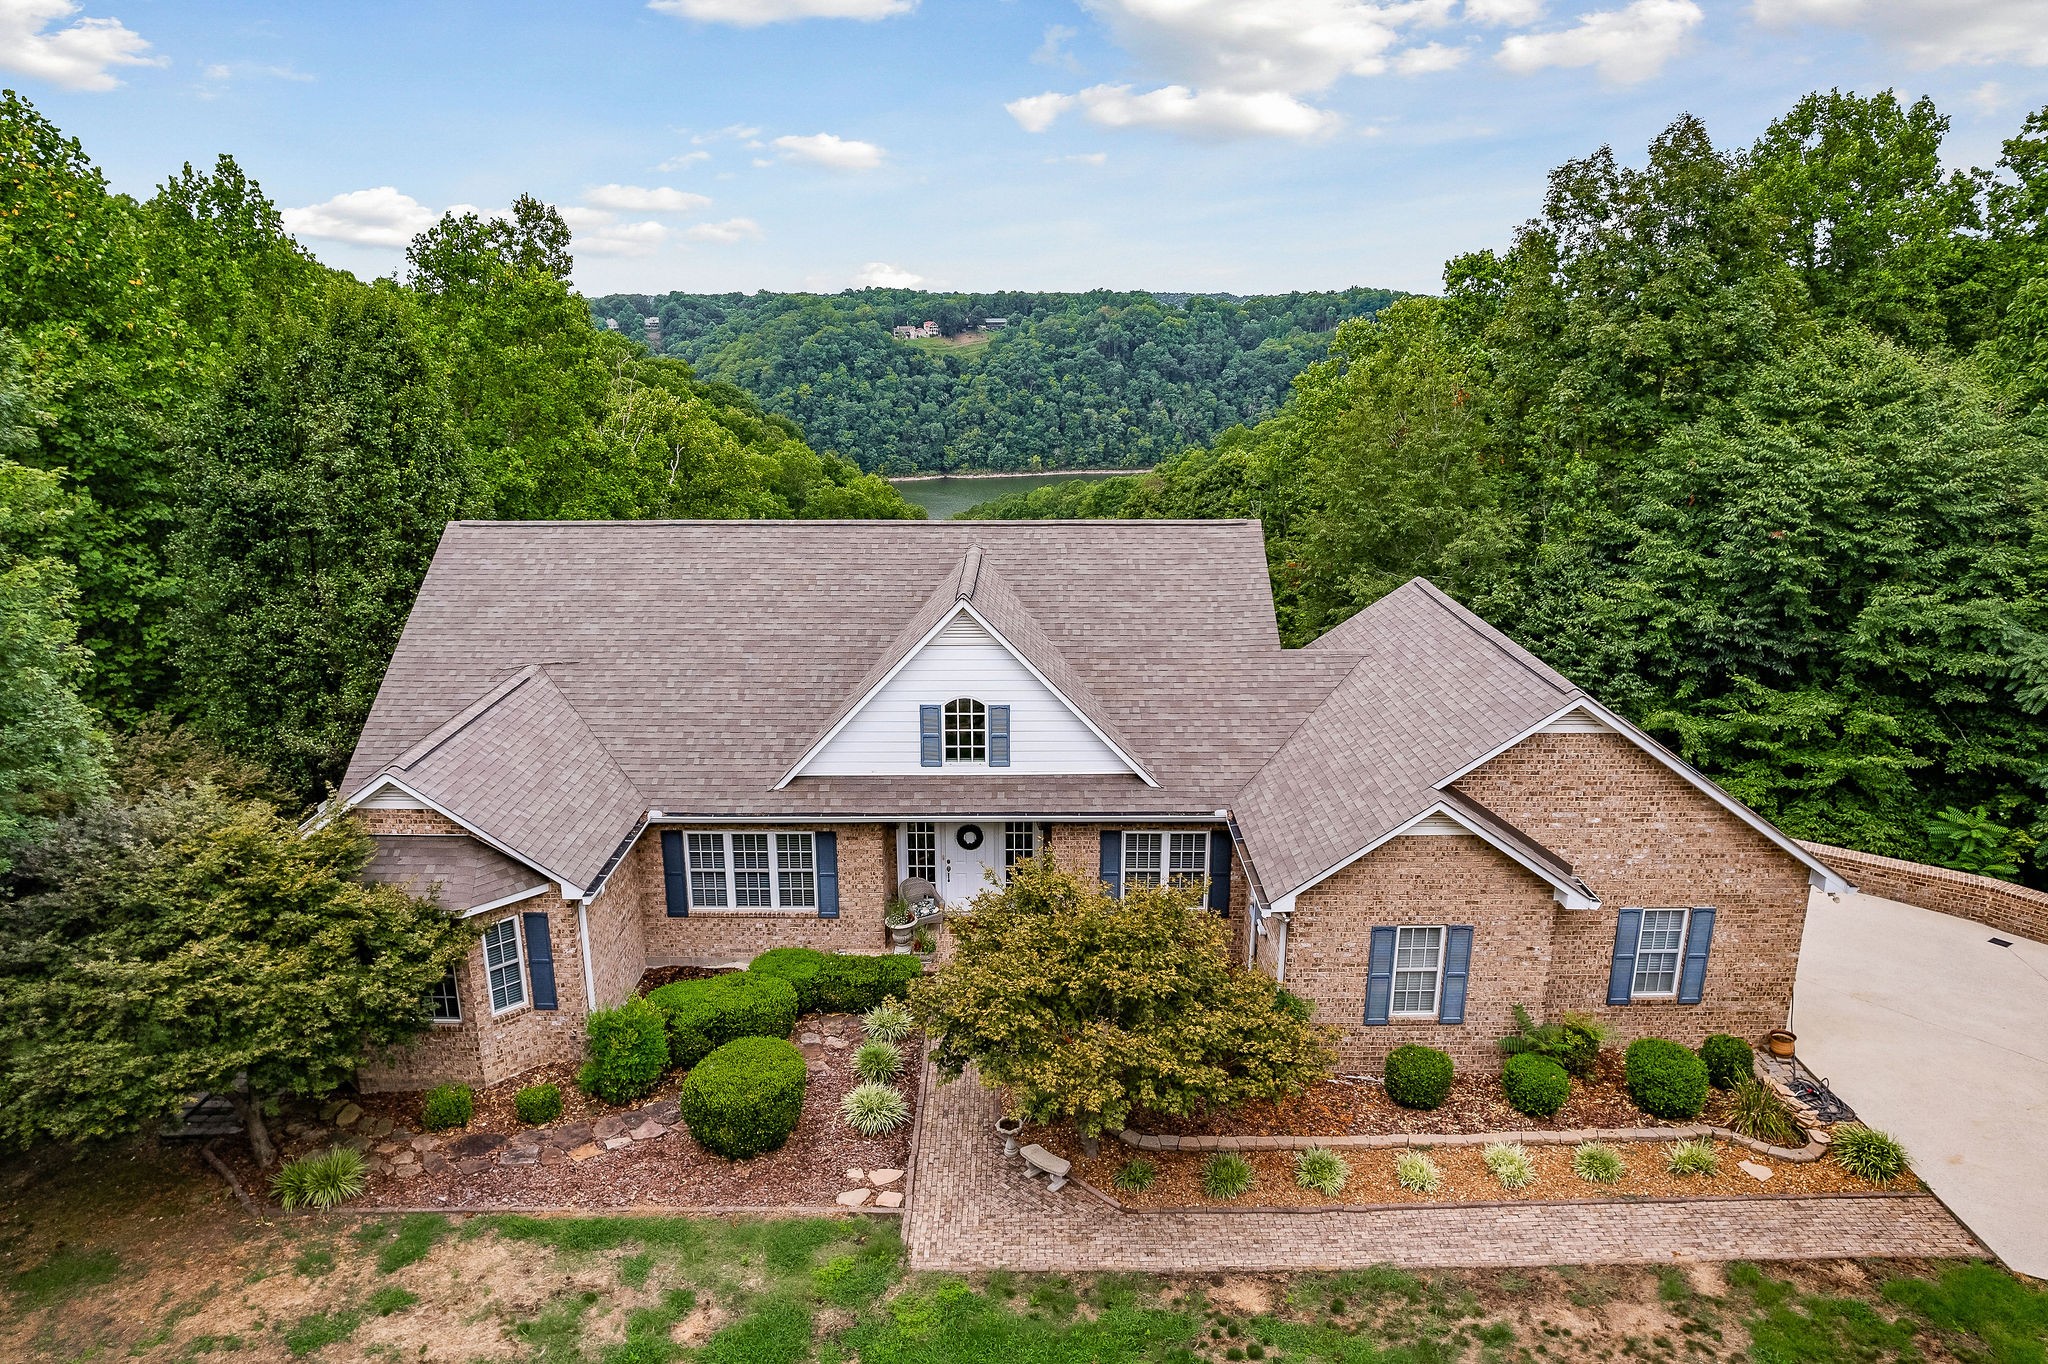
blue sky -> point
(709, 145)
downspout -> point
(1253, 889)
(589, 977)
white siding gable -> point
(963, 659)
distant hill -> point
(1066, 381)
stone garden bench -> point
(1038, 1160)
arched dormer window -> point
(966, 730)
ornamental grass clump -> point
(537, 1104)
(1136, 1175)
(1755, 1111)
(1226, 1175)
(888, 1021)
(1598, 1163)
(1665, 1079)
(1419, 1077)
(1535, 1085)
(1510, 1163)
(1416, 1171)
(877, 1061)
(447, 1106)
(1323, 1170)
(1868, 1153)
(872, 1109)
(1696, 1156)
(321, 1181)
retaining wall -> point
(1993, 903)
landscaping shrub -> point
(1573, 1041)
(1510, 1163)
(1756, 1111)
(888, 1021)
(703, 1015)
(878, 1060)
(849, 982)
(537, 1104)
(1868, 1153)
(872, 1109)
(628, 1052)
(1598, 1163)
(1535, 1085)
(1136, 1176)
(320, 1181)
(1728, 1059)
(1694, 1157)
(745, 1097)
(1665, 1079)
(795, 966)
(447, 1106)
(1323, 1170)
(1226, 1175)
(1416, 1171)
(1419, 1077)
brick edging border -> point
(1496, 1203)
(1141, 1141)
(632, 1210)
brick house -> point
(628, 745)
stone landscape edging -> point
(1181, 1209)
(1142, 1141)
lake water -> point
(945, 498)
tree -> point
(190, 942)
(1087, 1007)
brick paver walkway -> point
(971, 1209)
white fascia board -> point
(504, 900)
(797, 768)
(1569, 894)
(799, 819)
(570, 890)
(1819, 875)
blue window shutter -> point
(1621, 977)
(1379, 976)
(998, 736)
(675, 875)
(1219, 872)
(931, 751)
(825, 855)
(1113, 861)
(1450, 1006)
(540, 960)
(1699, 939)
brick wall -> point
(867, 878)
(616, 921)
(407, 822)
(1078, 848)
(1422, 879)
(1996, 904)
(1639, 834)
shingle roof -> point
(468, 873)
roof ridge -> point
(456, 723)
(1521, 657)
(970, 573)
(1357, 661)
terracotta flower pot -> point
(1780, 1042)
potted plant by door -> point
(902, 924)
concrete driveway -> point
(1939, 1037)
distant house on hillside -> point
(994, 324)
(923, 333)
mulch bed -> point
(1334, 1108)
(494, 1102)
(1466, 1178)
(668, 975)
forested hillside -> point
(1750, 442)
(224, 467)
(1072, 381)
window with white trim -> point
(750, 869)
(1182, 859)
(444, 1002)
(965, 730)
(1020, 843)
(503, 965)
(1418, 971)
(1660, 946)
(921, 851)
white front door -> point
(963, 871)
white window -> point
(502, 965)
(1418, 969)
(966, 731)
(921, 851)
(749, 870)
(444, 1003)
(1181, 858)
(1020, 844)
(1659, 947)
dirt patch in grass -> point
(1465, 1177)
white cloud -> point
(754, 13)
(725, 233)
(1207, 113)
(1988, 98)
(683, 161)
(1513, 13)
(635, 199)
(1053, 51)
(1430, 58)
(1079, 159)
(1624, 45)
(1931, 32)
(76, 57)
(882, 275)
(1036, 113)
(831, 151)
(598, 232)
(364, 217)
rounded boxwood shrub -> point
(1728, 1059)
(744, 1098)
(796, 965)
(853, 983)
(537, 1104)
(447, 1106)
(704, 1015)
(1419, 1077)
(1535, 1085)
(628, 1052)
(1665, 1079)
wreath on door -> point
(969, 836)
